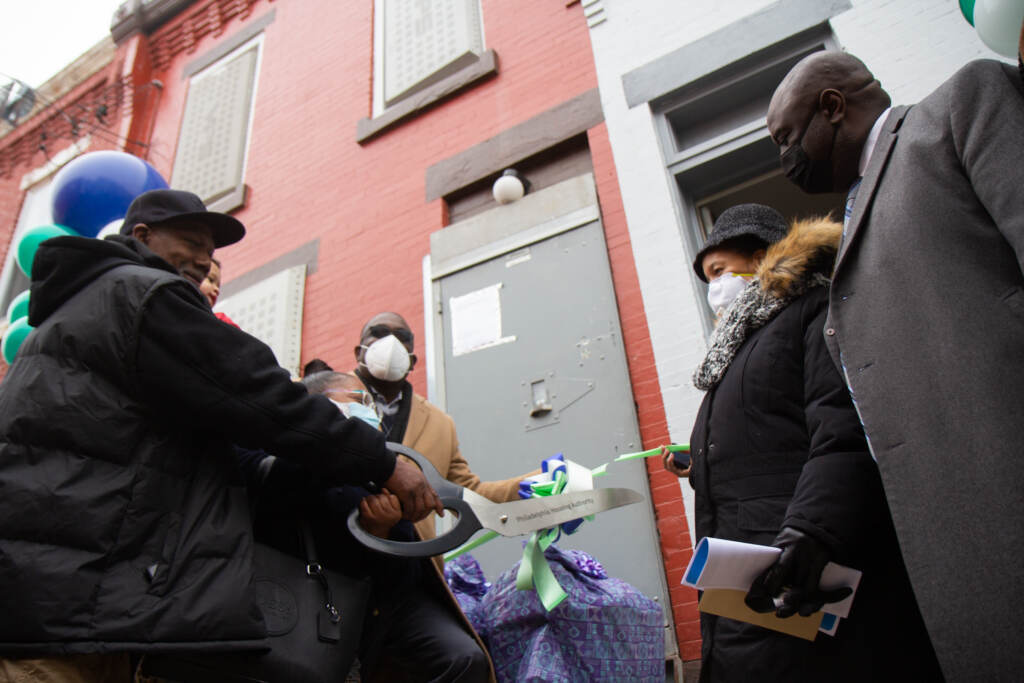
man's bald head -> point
(388, 318)
(836, 95)
(824, 70)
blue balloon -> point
(18, 307)
(96, 188)
(13, 338)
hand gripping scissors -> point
(514, 518)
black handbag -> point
(314, 619)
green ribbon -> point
(534, 571)
(674, 448)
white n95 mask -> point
(386, 359)
(723, 290)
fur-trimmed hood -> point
(800, 261)
(808, 248)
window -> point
(716, 146)
(214, 138)
(426, 40)
(424, 51)
(420, 42)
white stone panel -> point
(271, 311)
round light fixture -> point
(508, 187)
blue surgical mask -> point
(364, 413)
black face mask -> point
(813, 176)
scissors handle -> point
(435, 546)
(451, 497)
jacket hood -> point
(808, 249)
(65, 265)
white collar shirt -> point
(869, 144)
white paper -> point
(718, 563)
(729, 564)
(476, 320)
(836, 576)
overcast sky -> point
(38, 38)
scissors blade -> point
(520, 517)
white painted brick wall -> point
(910, 45)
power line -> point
(97, 126)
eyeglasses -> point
(380, 331)
(354, 395)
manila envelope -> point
(729, 603)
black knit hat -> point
(753, 220)
(157, 206)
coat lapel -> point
(417, 422)
(872, 174)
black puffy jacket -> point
(778, 443)
(123, 524)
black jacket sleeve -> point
(838, 498)
(217, 378)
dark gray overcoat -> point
(926, 321)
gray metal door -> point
(533, 365)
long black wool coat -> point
(777, 442)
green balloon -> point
(967, 9)
(13, 338)
(30, 241)
(18, 307)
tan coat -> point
(432, 432)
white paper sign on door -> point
(476, 320)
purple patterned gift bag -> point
(469, 585)
(606, 630)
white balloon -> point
(998, 23)
(111, 228)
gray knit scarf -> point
(752, 310)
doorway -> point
(529, 361)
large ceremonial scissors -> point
(515, 518)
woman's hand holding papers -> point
(795, 575)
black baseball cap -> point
(159, 206)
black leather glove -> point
(796, 575)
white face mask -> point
(386, 359)
(723, 290)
